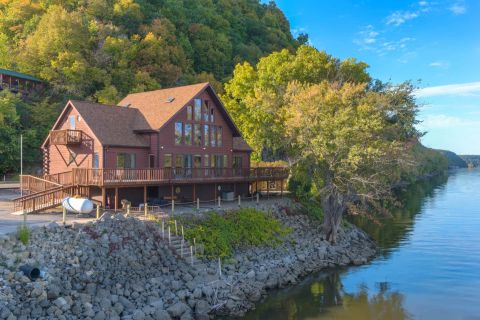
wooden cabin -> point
(171, 144)
(18, 82)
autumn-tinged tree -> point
(343, 133)
(255, 95)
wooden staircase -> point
(45, 193)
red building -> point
(178, 143)
(18, 82)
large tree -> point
(344, 135)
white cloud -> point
(366, 37)
(436, 121)
(458, 8)
(400, 17)
(440, 64)
(463, 89)
(423, 3)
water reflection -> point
(324, 297)
(390, 231)
(368, 292)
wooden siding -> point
(57, 157)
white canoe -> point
(77, 205)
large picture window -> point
(126, 160)
(213, 134)
(188, 134)
(189, 112)
(197, 136)
(198, 109)
(206, 135)
(178, 132)
(206, 111)
(219, 136)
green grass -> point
(23, 234)
(221, 234)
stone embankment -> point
(120, 268)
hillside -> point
(102, 50)
(454, 161)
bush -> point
(221, 234)
(23, 234)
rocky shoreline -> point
(120, 268)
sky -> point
(434, 44)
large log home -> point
(171, 144)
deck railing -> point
(102, 177)
(63, 178)
(36, 184)
(65, 137)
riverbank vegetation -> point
(220, 234)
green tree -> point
(342, 133)
(255, 96)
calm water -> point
(429, 267)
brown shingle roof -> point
(239, 144)
(113, 125)
(154, 105)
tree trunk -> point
(333, 205)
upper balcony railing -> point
(106, 177)
(65, 137)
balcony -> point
(65, 137)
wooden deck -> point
(133, 177)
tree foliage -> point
(255, 95)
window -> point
(225, 161)
(198, 109)
(188, 134)
(206, 163)
(126, 160)
(189, 112)
(179, 161)
(211, 115)
(219, 136)
(213, 133)
(197, 161)
(197, 136)
(167, 161)
(151, 161)
(205, 135)
(96, 161)
(187, 163)
(72, 122)
(178, 132)
(206, 111)
(237, 165)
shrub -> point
(221, 234)
(23, 234)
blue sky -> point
(435, 44)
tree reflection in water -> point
(323, 297)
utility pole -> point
(21, 174)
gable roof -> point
(158, 107)
(111, 125)
(20, 75)
(239, 144)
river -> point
(429, 266)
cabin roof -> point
(19, 75)
(113, 125)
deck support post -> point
(116, 199)
(144, 194)
(98, 211)
(104, 203)
(268, 189)
(194, 192)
